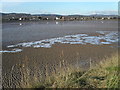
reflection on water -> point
(47, 23)
(20, 24)
(56, 22)
(102, 21)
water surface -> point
(16, 32)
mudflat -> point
(16, 32)
(71, 54)
(59, 54)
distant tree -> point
(39, 17)
(114, 17)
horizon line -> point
(54, 13)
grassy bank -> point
(103, 75)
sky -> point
(60, 0)
(64, 8)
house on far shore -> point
(52, 17)
(62, 18)
(108, 17)
(57, 18)
(20, 19)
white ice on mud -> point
(109, 37)
(12, 51)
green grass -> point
(103, 75)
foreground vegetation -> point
(103, 75)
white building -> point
(56, 18)
(20, 19)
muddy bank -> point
(71, 54)
(40, 60)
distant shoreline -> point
(7, 17)
(3, 21)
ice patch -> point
(44, 45)
(12, 51)
(105, 42)
(92, 40)
(109, 36)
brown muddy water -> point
(77, 55)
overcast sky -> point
(64, 8)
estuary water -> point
(47, 33)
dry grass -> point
(103, 75)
